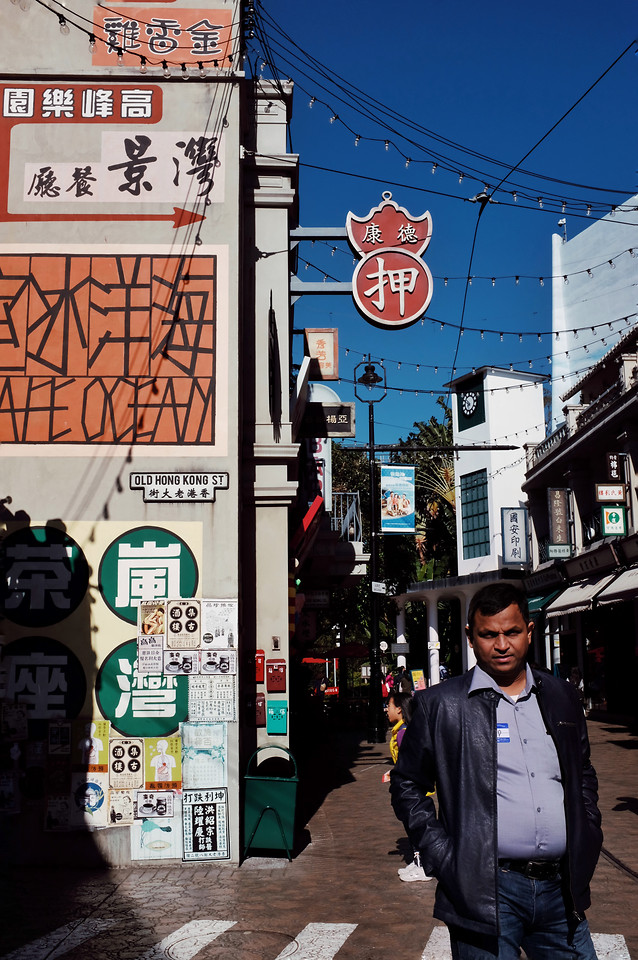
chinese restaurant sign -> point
(391, 285)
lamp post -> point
(371, 380)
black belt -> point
(534, 869)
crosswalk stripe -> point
(610, 946)
(318, 941)
(184, 943)
(60, 941)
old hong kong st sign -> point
(391, 285)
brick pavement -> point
(343, 872)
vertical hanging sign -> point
(514, 532)
(397, 500)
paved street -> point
(339, 897)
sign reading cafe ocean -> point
(391, 285)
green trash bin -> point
(269, 808)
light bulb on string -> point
(589, 209)
(563, 206)
(408, 161)
(65, 29)
(461, 175)
(517, 280)
(202, 71)
(166, 69)
(434, 166)
(541, 281)
(333, 118)
(565, 280)
(312, 100)
(612, 264)
(387, 144)
(91, 43)
(184, 72)
(356, 140)
(120, 57)
(540, 202)
(493, 281)
(589, 273)
(445, 281)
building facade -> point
(147, 455)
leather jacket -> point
(450, 745)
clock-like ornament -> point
(468, 403)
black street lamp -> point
(372, 381)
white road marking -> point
(318, 941)
(184, 943)
(60, 941)
(610, 946)
(438, 946)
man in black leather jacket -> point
(517, 835)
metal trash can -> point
(269, 806)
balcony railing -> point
(345, 517)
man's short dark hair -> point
(493, 598)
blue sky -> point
(493, 78)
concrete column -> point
(433, 638)
(401, 638)
(469, 660)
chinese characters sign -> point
(514, 532)
(391, 286)
(156, 34)
(107, 349)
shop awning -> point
(540, 600)
(624, 587)
(578, 596)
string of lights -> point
(358, 101)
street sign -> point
(610, 492)
(196, 486)
(557, 551)
(378, 587)
(614, 521)
(327, 420)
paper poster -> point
(60, 737)
(212, 698)
(204, 754)
(120, 811)
(182, 624)
(14, 721)
(151, 618)
(150, 655)
(181, 663)
(91, 747)
(9, 793)
(397, 499)
(58, 813)
(219, 623)
(205, 816)
(126, 767)
(158, 839)
(156, 804)
(218, 662)
(163, 763)
(88, 807)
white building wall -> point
(605, 300)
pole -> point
(376, 715)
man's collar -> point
(482, 681)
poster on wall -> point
(157, 804)
(126, 764)
(204, 754)
(158, 838)
(219, 623)
(59, 738)
(212, 698)
(182, 624)
(88, 807)
(91, 745)
(120, 811)
(205, 817)
(163, 764)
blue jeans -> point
(531, 915)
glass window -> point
(475, 517)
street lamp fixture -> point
(371, 379)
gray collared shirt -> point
(531, 812)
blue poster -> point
(397, 500)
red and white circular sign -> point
(392, 287)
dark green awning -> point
(540, 601)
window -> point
(475, 517)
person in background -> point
(399, 711)
(516, 837)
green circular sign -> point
(146, 563)
(139, 705)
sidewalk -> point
(342, 882)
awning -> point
(540, 601)
(578, 596)
(624, 587)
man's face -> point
(500, 643)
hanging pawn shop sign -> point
(391, 284)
